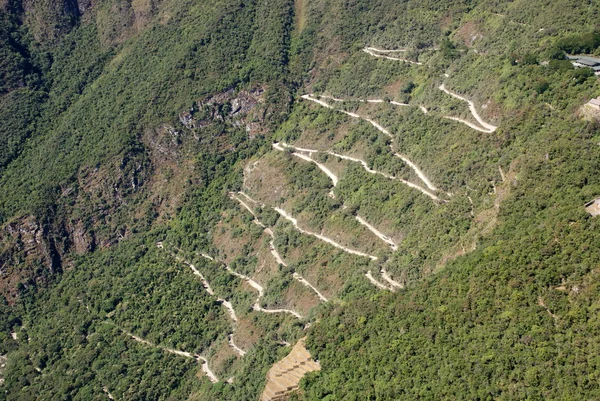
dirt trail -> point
(502, 176)
(211, 376)
(489, 127)
(226, 304)
(374, 52)
(274, 250)
(323, 168)
(272, 247)
(405, 159)
(324, 104)
(376, 283)
(375, 49)
(412, 165)
(385, 51)
(378, 233)
(259, 288)
(208, 288)
(303, 281)
(294, 222)
(543, 305)
(335, 99)
(108, 394)
(371, 171)
(385, 275)
(417, 171)
(468, 123)
(361, 220)
(237, 349)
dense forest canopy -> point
(190, 187)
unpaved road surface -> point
(294, 222)
(272, 247)
(211, 376)
(376, 53)
(376, 283)
(378, 233)
(371, 171)
(412, 165)
(323, 168)
(489, 127)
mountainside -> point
(191, 188)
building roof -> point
(595, 102)
(585, 60)
(588, 63)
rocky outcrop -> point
(106, 202)
(2, 368)
(95, 211)
(241, 109)
(30, 237)
(27, 251)
(50, 20)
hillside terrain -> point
(303, 200)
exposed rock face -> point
(285, 375)
(2, 367)
(105, 203)
(241, 110)
(83, 240)
(94, 211)
(50, 19)
(27, 250)
(28, 235)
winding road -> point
(335, 99)
(259, 288)
(272, 247)
(489, 128)
(323, 168)
(222, 301)
(374, 52)
(370, 170)
(237, 349)
(468, 123)
(412, 165)
(294, 222)
(376, 283)
(375, 49)
(211, 376)
(386, 276)
(207, 286)
(108, 394)
(361, 220)
(303, 281)
(378, 233)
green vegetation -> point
(125, 125)
(580, 44)
(509, 321)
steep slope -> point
(191, 187)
